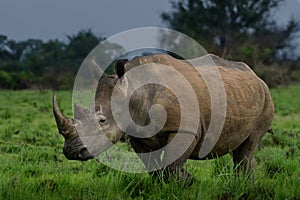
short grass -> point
(32, 165)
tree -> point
(239, 29)
(34, 63)
(4, 54)
(82, 43)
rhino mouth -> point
(84, 154)
(73, 149)
(77, 153)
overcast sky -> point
(49, 19)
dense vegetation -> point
(32, 165)
(34, 63)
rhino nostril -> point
(82, 153)
(102, 120)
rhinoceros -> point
(249, 112)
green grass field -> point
(32, 165)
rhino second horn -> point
(79, 112)
(65, 125)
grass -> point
(32, 165)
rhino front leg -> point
(178, 149)
(151, 161)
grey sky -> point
(49, 19)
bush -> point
(5, 79)
(295, 76)
(274, 75)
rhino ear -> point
(122, 86)
(120, 67)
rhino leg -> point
(151, 161)
(176, 154)
(243, 157)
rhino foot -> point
(169, 176)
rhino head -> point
(92, 130)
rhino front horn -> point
(65, 125)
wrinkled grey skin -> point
(248, 116)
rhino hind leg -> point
(243, 156)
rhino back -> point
(246, 99)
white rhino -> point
(249, 112)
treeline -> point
(36, 64)
(242, 30)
